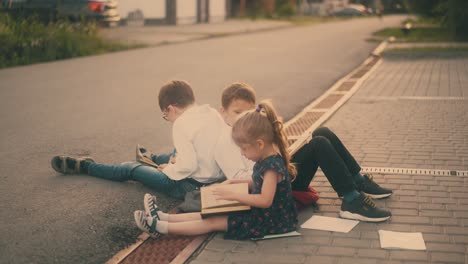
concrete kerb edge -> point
(300, 140)
(197, 245)
(193, 249)
(122, 254)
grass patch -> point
(27, 41)
(422, 34)
(429, 50)
(422, 21)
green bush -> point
(422, 34)
(285, 8)
(27, 40)
(452, 14)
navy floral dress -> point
(280, 218)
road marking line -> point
(415, 171)
(417, 98)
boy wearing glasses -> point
(195, 131)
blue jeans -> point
(147, 175)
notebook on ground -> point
(144, 156)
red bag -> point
(303, 199)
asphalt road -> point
(104, 105)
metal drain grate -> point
(161, 250)
(329, 101)
(362, 72)
(346, 86)
(302, 123)
(373, 61)
(414, 171)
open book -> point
(211, 206)
(144, 156)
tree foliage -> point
(452, 14)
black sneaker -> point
(363, 209)
(70, 165)
(369, 187)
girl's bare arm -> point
(262, 200)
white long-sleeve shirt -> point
(195, 134)
(229, 157)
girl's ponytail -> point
(279, 138)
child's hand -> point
(225, 195)
(172, 160)
(162, 166)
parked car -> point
(103, 11)
(352, 10)
(349, 11)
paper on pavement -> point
(330, 224)
(401, 240)
(290, 234)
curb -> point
(328, 103)
(298, 129)
(122, 254)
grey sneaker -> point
(146, 223)
(363, 209)
(151, 208)
(369, 187)
(70, 165)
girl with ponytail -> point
(261, 138)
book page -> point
(401, 240)
(330, 224)
(210, 201)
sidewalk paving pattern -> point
(410, 113)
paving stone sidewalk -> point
(412, 112)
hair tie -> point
(258, 109)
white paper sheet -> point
(293, 233)
(401, 240)
(330, 224)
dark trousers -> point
(326, 150)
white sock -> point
(162, 227)
(163, 216)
